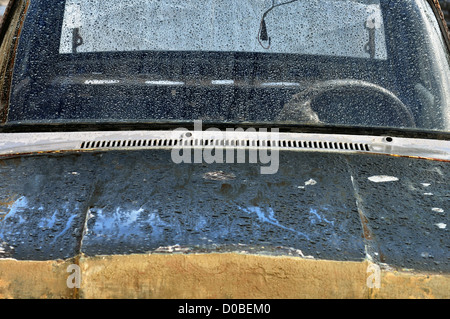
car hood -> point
(392, 210)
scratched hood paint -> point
(318, 205)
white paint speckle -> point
(441, 225)
(428, 194)
(171, 249)
(437, 210)
(2, 249)
(383, 179)
(426, 184)
(300, 253)
(425, 255)
(311, 182)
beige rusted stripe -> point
(34, 279)
(212, 276)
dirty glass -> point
(359, 63)
(225, 26)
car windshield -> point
(351, 63)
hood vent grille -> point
(250, 143)
(13, 144)
(128, 143)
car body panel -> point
(328, 206)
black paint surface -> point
(56, 206)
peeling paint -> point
(317, 218)
(311, 182)
(268, 216)
(172, 249)
(104, 211)
(383, 179)
(219, 175)
(66, 228)
(20, 203)
(125, 222)
(441, 225)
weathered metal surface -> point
(11, 26)
(223, 276)
(139, 201)
(444, 5)
(442, 19)
(407, 217)
(319, 205)
(35, 279)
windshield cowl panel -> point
(230, 141)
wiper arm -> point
(263, 34)
(77, 40)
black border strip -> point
(168, 126)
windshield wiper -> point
(77, 40)
(262, 33)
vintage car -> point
(224, 149)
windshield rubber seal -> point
(441, 21)
(190, 125)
